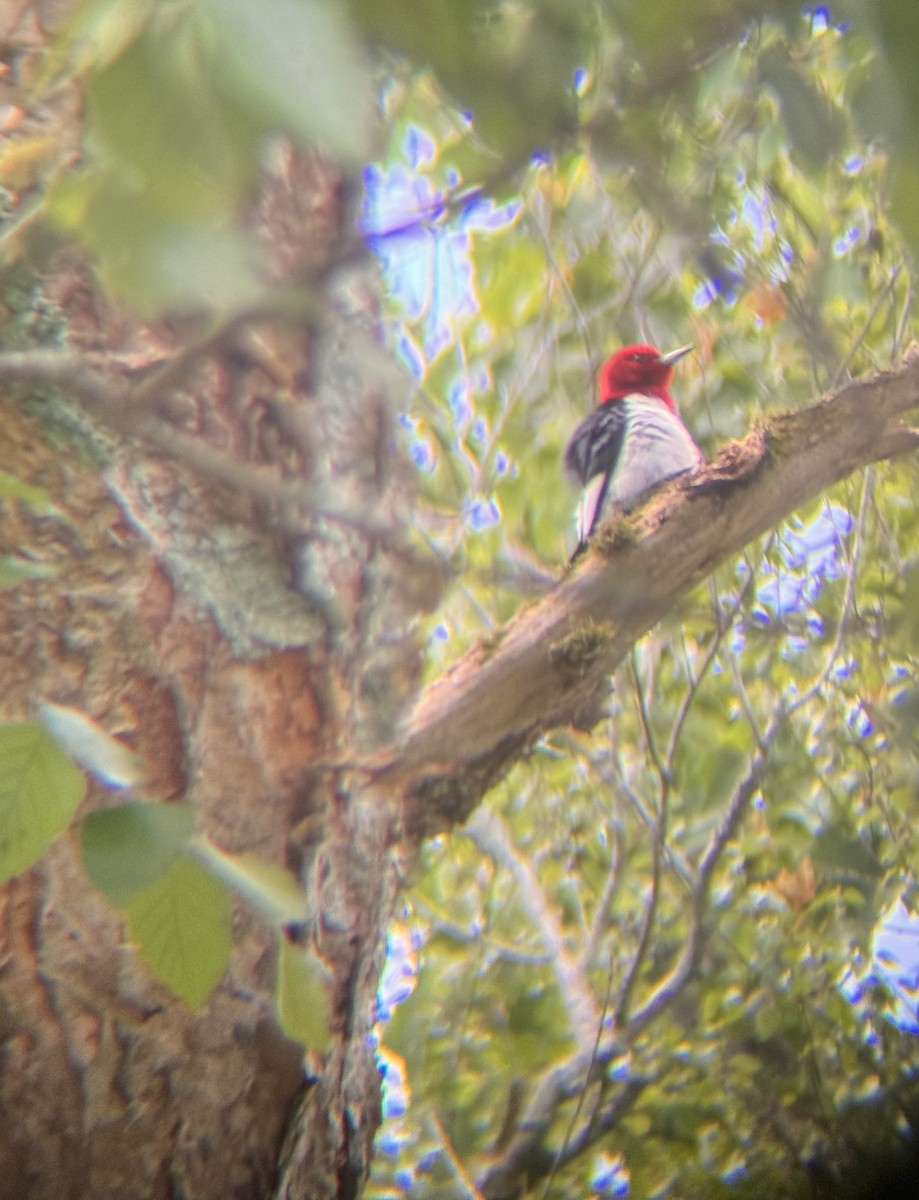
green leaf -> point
(195, 267)
(304, 1009)
(904, 180)
(814, 126)
(181, 924)
(170, 159)
(96, 32)
(129, 848)
(448, 42)
(153, 259)
(299, 63)
(512, 63)
(838, 851)
(35, 497)
(40, 789)
(512, 279)
(195, 155)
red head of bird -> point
(639, 369)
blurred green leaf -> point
(512, 284)
(839, 851)
(904, 180)
(814, 126)
(299, 64)
(95, 32)
(446, 38)
(37, 498)
(513, 63)
(14, 571)
(181, 925)
(157, 125)
(40, 789)
(153, 260)
(304, 1008)
(129, 848)
(269, 888)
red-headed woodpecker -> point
(633, 440)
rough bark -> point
(207, 607)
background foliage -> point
(733, 188)
(547, 182)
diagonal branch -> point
(550, 665)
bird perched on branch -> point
(633, 440)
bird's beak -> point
(674, 356)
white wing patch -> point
(592, 497)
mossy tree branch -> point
(550, 665)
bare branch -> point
(600, 921)
(71, 373)
(456, 1163)
(527, 1156)
(658, 844)
(607, 1117)
(129, 410)
(673, 983)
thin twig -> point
(582, 1096)
(64, 370)
(606, 1119)
(566, 289)
(117, 407)
(600, 921)
(677, 862)
(863, 332)
(454, 1159)
(723, 627)
(672, 985)
(904, 321)
(659, 764)
(647, 926)
(174, 372)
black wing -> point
(596, 444)
(593, 450)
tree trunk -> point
(234, 638)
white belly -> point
(657, 447)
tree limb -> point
(550, 665)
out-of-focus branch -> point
(130, 410)
(600, 921)
(673, 983)
(490, 835)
